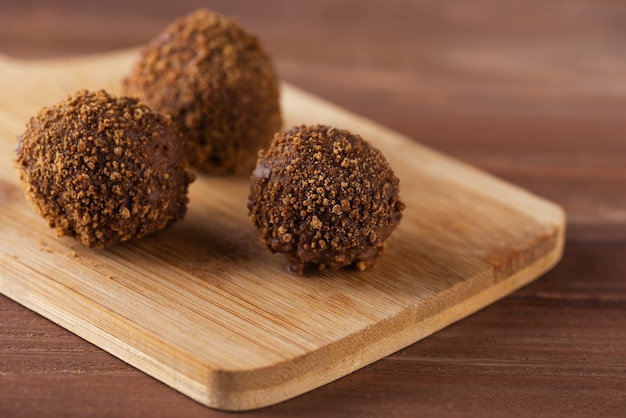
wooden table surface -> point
(532, 91)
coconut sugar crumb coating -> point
(325, 198)
(103, 169)
(219, 86)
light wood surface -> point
(205, 309)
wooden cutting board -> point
(207, 310)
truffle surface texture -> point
(103, 169)
(325, 198)
(219, 86)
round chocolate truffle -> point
(324, 197)
(219, 86)
(103, 169)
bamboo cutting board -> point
(206, 309)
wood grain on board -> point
(206, 309)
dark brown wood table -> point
(531, 91)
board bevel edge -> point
(221, 390)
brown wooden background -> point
(533, 91)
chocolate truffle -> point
(219, 86)
(103, 169)
(324, 197)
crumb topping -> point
(219, 86)
(325, 198)
(103, 169)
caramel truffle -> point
(325, 198)
(219, 86)
(103, 169)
